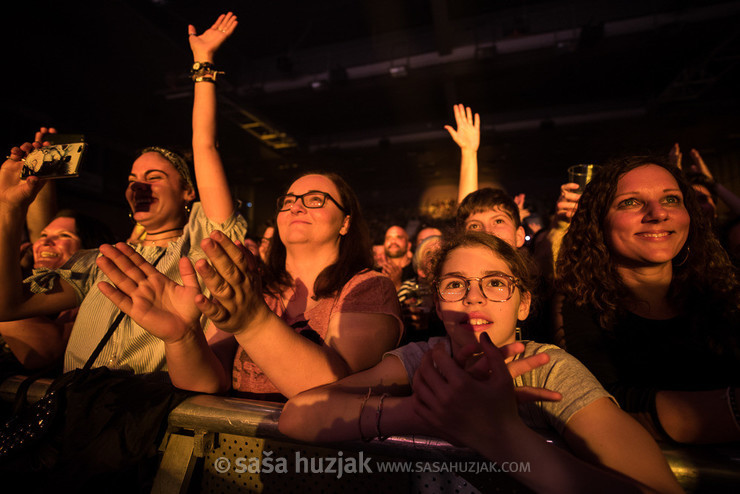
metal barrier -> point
(223, 445)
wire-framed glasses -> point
(496, 287)
(312, 199)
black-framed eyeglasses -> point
(312, 199)
(496, 287)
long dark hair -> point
(355, 253)
(587, 275)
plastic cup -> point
(581, 175)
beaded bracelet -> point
(359, 419)
(212, 80)
(204, 71)
(378, 413)
(733, 406)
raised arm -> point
(43, 208)
(210, 176)
(467, 136)
(732, 200)
(354, 341)
(15, 196)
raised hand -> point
(567, 203)
(15, 192)
(675, 156)
(37, 142)
(206, 44)
(472, 359)
(467, 135)
(699, 165)
(392, 271)
(523, 212)
(234, 282)
(156, 303)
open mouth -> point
(143, 203)
(477, 324)
(48, 255)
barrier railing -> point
(222, 444)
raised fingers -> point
(228, 259)
(216, 284)
(225, 23)
(522, 366)
(118, 298)
(119, 269)
(526, 394)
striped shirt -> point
(131, 346)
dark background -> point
(556, 83)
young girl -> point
(437, 388)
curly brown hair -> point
(587, 275)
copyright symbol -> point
(222, 464)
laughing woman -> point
(314, 314)
(436, 388)
(161, 195)
(652, 302)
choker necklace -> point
(164, 231)
(153, 241)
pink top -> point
(366, 292)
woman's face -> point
(57, 243)
(155, 193)
(304, 226)
(468, 318)
(647, 223)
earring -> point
(131, 217)
(188, 207)
(682, 261)
(518, 333)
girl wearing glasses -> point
(460, 387)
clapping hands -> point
(457, 397)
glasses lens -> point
(452, 289)
(313, 200)
(285, 202)
(496, 288)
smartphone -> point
(62, 138)
(55, 161)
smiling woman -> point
(39, 342)
(651, 301)
(160, 194)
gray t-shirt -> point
(131, 346)
(563, 373)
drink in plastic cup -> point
(581, 175)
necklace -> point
(166, 231)
(153, 241)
